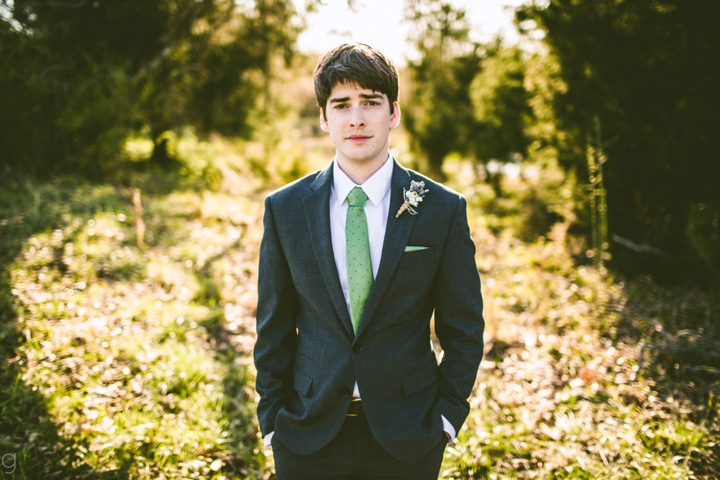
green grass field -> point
(127, 361)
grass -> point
(126, 362)
(586, 376)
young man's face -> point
(359, 123)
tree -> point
(501, 105)
(90, 72)
(644, 70)
(440, 116)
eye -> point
(372, 103)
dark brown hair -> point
(356, 63)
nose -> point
(356, 118)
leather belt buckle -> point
(355, 409)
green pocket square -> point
(414, 249)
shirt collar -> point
(375, 187)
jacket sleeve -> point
(274, 351)
(459, 322)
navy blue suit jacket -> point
(307, 356)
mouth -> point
(358, 138)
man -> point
(354, 261)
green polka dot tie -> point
(357, 250)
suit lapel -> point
(397, 233)
(317, 213)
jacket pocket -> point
(302, 382)
(415, 272)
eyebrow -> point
(365, 96)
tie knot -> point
(357, 197)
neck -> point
(359, 173)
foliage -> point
(128, 362)
(501, 105)
(439, 116)
(644, 69)
(122, 362)
(476, 101)
(584, 376)
(81, 76)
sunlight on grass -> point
(135, 362)
(129, 348)
(559, 393)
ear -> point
(395, 117)
(323, 122)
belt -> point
(356, 408)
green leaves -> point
(81, 76)
(501, 105)
(439, 114)
(643, 68)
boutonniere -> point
(412, 198)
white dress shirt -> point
(377, 208)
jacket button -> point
(345, 392)
(357, 347)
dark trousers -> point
(355, 454)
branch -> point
(640, 248)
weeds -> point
(128, 362)
(578, 377)
(120, 362)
